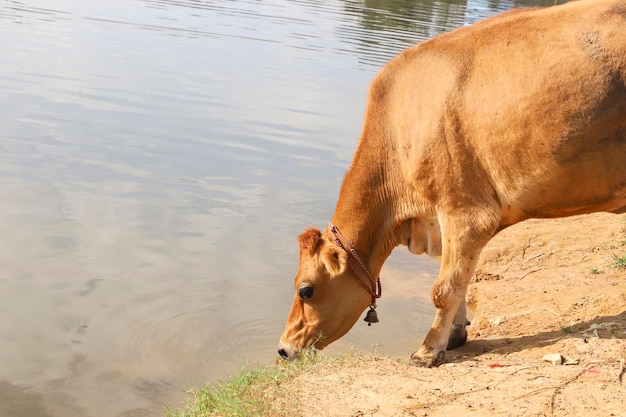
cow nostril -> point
(283, 354)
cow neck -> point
(364, 204)
(374, 287)
(361, 214)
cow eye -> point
(306, 293)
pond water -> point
(158, 159)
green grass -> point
(253, 392)
(240, 396)
(619, 261)
(596, 271)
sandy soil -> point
(542, 287)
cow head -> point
(327, 300)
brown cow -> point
(521, 115)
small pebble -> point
(553, 358)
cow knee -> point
(443, 294)
(440, 294)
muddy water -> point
(157, 160)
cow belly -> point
(593, 181)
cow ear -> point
(334, 259)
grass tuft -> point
(252, 392)
(619, 261)
(240, 396)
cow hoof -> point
(429, 359)
(458, 337)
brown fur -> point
(309, 240)
(521, 115)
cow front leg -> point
(433, 349)
(461, 247)
(458, 333)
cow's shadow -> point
(508, 345)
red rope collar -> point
(375, 288)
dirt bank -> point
(542, 287)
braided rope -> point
(375, 289)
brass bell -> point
(371, 316)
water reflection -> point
(388, 26)
(157, 160)
(385, 27)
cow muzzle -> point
(283, 353)
(287, 352)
